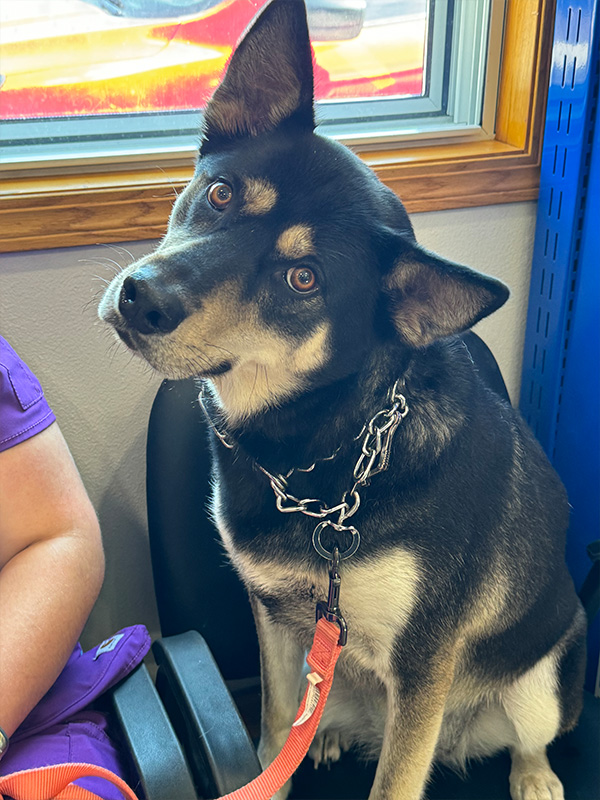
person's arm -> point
(51, 568)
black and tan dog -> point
(291, 282)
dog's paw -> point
(327, 747)
(535, 782)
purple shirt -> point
(24, 410)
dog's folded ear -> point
(431, 298)
(269, 79)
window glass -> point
(67, 57)
(100, 77)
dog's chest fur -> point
(378, 594)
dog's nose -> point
(147, 306)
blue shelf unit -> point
(560, 390)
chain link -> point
(376, 435)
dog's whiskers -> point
(201, 355)
(118, 248)
(105, 263)
(92, 302)
(266, 371)
(118, 267)
(175, 192)
(198, 362)
(218, 347)
(254, 384)
(112, 351)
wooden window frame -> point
(63, 210)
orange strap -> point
(321, 659)
(56, 782)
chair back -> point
(196, 587)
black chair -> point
(208, 662)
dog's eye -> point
(219, 194)
(301, 279)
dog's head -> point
(285, 258)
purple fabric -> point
(85, 677)
(83, 738)
(24, 410)
(62, 728)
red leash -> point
(322, 658)
(56, 783)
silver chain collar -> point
(376, 435)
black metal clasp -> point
(331, 609)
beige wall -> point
(102, 396)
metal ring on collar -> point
(328, 554)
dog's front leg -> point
(281, 662)
(415, 707)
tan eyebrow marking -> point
(259, 196)
(296, 242)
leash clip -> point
(331, 609)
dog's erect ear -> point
(432, 298)
(269, 79)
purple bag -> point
(62, 729)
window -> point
(104, 78)
(383, 100)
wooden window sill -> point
(64, 210)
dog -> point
(290, 283)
